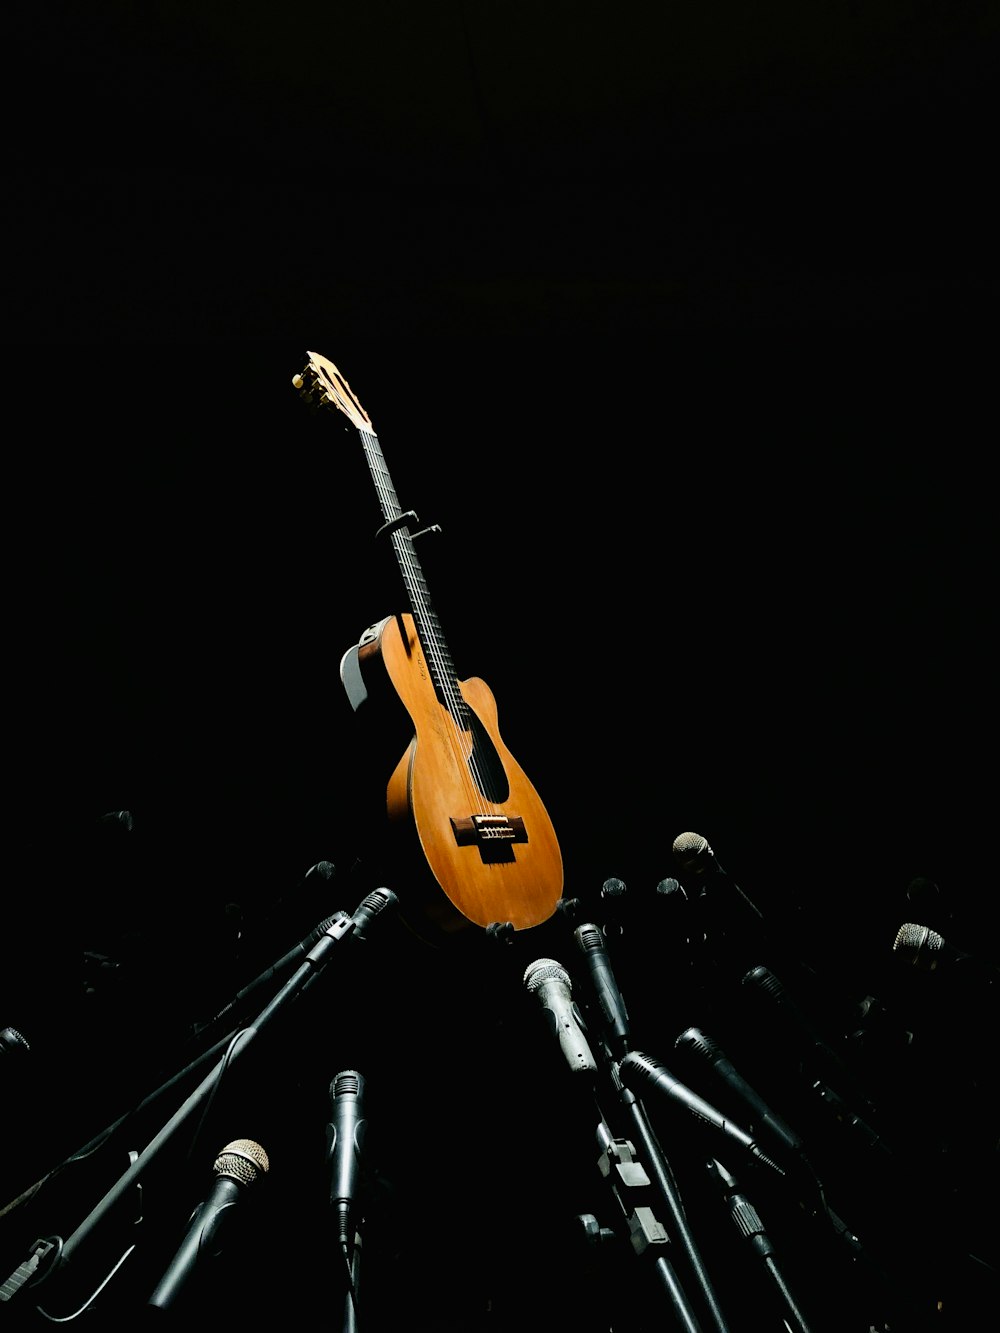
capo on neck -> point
(395, 524)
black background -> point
(679, 323)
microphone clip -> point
(41, 1260)
(619, 1156)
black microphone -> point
(237, 1167)
(294, 955)
(825, 1058)
(761, 1115)
(695, 857)
(590, 941)
(928, 951)
(671, 891)
(369, 909)
(345, 1136)
(654, 1073)
(725, 926)
(676, 914)
(614, 894)
(355, 927)
(365, 914)
(551, 982)
(763, 980)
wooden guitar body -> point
(477, 820)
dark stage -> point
(676, 340)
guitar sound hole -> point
(484, 763)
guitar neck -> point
(425, 617)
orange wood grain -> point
(432, 784)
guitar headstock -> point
(321, 383)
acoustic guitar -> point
(457, 796)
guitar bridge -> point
(486, 829)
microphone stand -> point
(353, 1279)
(749, 1225)
(607, 1001)
(199, 1032)
(666, 1185)
(646, 1233)
(56, 1253)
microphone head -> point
(348, 1083)
(692, 852)
(542, 970)
(12, 1040)
(561, 1011)
(589, 937)
(922, 947)
(764, 979)
(322, 869)
(372, 906)
(617, 906)
(695, 1040)
(243, 1160)
(641, 1063)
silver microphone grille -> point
(545, 969)
(346, 1082)
(691, 851)
(243, 1160)
(918, 944)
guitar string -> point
(431, 639)
(402, 542)
(403, 545)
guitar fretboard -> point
(425, 617)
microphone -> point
(237, 1167)
(658, 1076)
(13, 1041)
(658, 917)
(365, 914)
(591, 943)
(356, 926)
(345, 1136)
(371, 908)
(294, 955)
(726, 927)
(764, 980)
(550, 981)
(749, 1225)
(929, 951)
(671, 891)
(762, 1117)
(674, 907)
(613, 895)
(695, 857)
